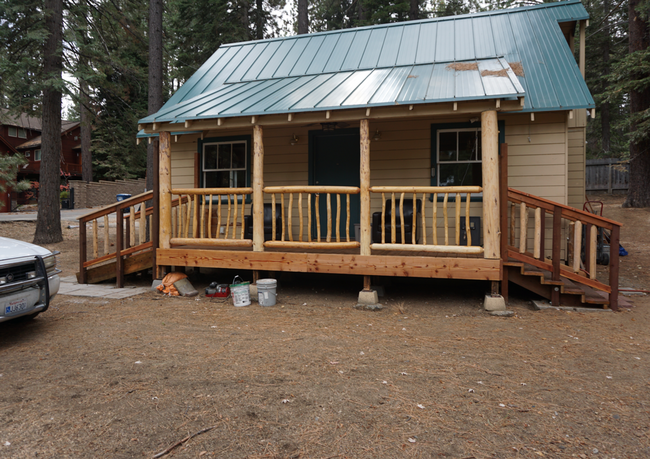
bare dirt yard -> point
(431, 375)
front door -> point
(334, 161)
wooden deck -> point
(349, 261)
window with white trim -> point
(37, 155)
(12, 132)
(22, 134)
(458, 157)
(225, 164)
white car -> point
(29, 279)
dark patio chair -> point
(408, 223)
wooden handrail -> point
(568, 212)
(578, 220)
(110, 208)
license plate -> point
(15, 307)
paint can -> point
(240, 293)
(266, 291)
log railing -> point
(127, 237)
(209, 217)
(584, 228)
(297, 217)
(427, 217)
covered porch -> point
(308, 228)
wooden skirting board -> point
(132, 264)
(369, 265)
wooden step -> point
(132, 264)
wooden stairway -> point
(542, 268)
(540, 282)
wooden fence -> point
(607, 175)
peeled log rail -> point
(397, 212)
(332, 237)
(194, 219)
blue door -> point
(334, 160)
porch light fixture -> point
(294, 139)
(377, 135)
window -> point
(459, 157)
(37, 155)
(13, 132)
(456, 154)
(225, 162)
(22, 134)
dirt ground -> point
(431, 375)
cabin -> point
(14, 131)
(442, 148)
(22, 135)
(70, 152)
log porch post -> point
(165, 184)
(258, 189)
(364, 170)
(490, 168)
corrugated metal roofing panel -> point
(307, 56)
(389, 90)
(427, 43)
(416, 84)
(483, 38)
(311, 100)
(363, 94)
(261, 62)
(468, 84)
(373, 50)
(443, 83)
(463, 40)
(278, 57)
(278, 94)
(292, 57)
(445, 41)
(388, 55)
(356, 51)
(340, 51)
(292, 99)
(409, 45)
(495, 85)
(252, 56)
(259, 97)
(337, 97)
(324, 53)
(529, 35)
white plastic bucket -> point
(266, 291)
(240, 293)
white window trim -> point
(15, 130)
(231, 169)
(439, 163)
(37, 155)
(23, 132)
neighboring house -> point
(338, 128)
(14, 131)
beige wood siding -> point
(576, 170)
(537, 154)
(537, 160)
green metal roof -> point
(404, 63)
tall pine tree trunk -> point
(414, 10)
(638, 194)
(303, 17)
(48, 221)
(155, 100)
(605, 118)
(86, 126)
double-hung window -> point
(37, 155)
(225, 164)
(458, 157)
